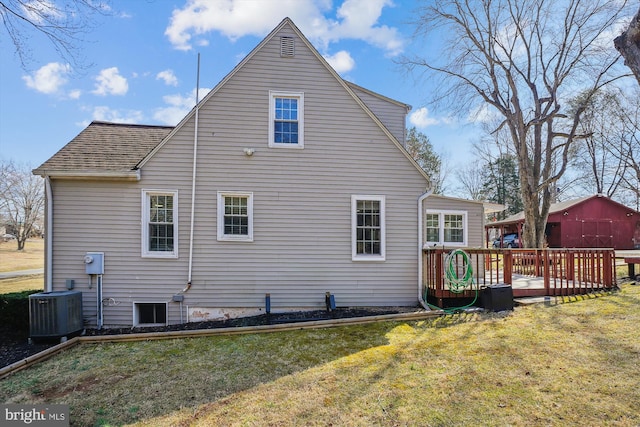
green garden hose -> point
(455, 283)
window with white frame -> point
(286, 119)
(445, 228)
(368, 228)
(159, 224)
(235, 216)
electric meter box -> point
(94, 262)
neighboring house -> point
(588, 222)
(285, 180)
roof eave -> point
(131, 175)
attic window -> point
(287, 47)
(286, 119)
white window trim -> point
(146, 253)
(233, 237)
(136, 317)
(441, 214)
(272, 114)
(354, 223)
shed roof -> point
(104, 149)
(554, 208)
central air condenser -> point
(55, 314)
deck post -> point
(507, 266)
(439, 277)
(570, 266)
(546, 273)
(608, 268)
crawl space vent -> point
(287, 47)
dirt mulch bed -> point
(15, 346)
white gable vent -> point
(287, 47)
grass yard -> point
(571, 364)
(22, 283)
(31, 257)
(11, 259)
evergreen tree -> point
(421, 150)
(501, 184)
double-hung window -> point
(160, 224)
(445, 228)
(368, 228)
(286, 119)
(235, 216)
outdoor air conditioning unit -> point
(55, 314)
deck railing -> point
(530, 272)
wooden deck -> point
(530, 272)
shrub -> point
(14, 314)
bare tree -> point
(629, 150)
(602, 156)
(63, 23)
(628, 44)
(470, 179)
(522, 60)
(21, 200)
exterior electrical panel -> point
(55, 314)
(94, 262)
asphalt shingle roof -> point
(105, 147)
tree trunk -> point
(628, 44)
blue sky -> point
(143, 57)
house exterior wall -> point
(301, 198)
(474, 213)
(392, 115)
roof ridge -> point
(101, 122)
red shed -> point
(588, 222)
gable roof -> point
(111, 150)
(288, 22)
(352, 85)
(103, 149)
(553, 209)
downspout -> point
(193, 180)
(423, 303)
(49, 235)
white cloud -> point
(178, 107)
(420, 118)
(49, 78)
(359, 18)
(75, 94)
(110, 82)
(355, 19)
(107, 114)
(342, 61)
(169, 78)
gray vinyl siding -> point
(475, 215)
(301, 198)
(392, 115)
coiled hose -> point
(455, 283)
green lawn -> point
(11, 259)
(570, 364)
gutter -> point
(133, 175)
(48, 287)
(423, 303)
